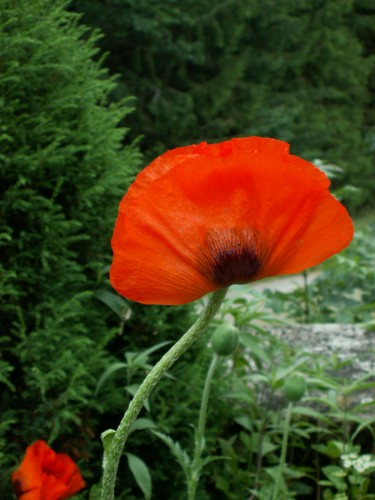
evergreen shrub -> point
(299, 71)
(63, 170)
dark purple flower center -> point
(232, 257)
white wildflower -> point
(364, 463)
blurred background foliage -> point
(72, 138)
(300, 71)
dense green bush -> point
(309, 82)
(181, 61)
(299, 71)
(63, 169)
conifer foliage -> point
(63, 170)
(299, 71)
(182, 61)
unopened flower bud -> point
(294, 387)
(225, 340)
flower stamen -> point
(234, 256)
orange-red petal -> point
(27, 479)
(45, 475)
(207, 216)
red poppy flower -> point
(46, 475)
(206, 216)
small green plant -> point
(349, 477)
(262, 389)
(342, 290)
(132, 371)
(224, 341)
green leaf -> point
(273, 472)
(253, 344)
(369, 325)
(107, 438)
(207, 460)
(108, 372)
(142, 424)
(141, 474)
(309, 412)
(179, 453)
(337, 476)
(142, 357)
(366, 424)
(332, 449)
(118, 305)
(132, 390)
(245, 422)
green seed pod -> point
(294, 387)
(225, 339)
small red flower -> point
(46, 475)
(206, 216)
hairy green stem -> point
(284, 449)
(199, 434)
(204, 405)
(112, 459)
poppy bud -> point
(225, 340)
(294, 387)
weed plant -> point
(329, 436)
(341, 291)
